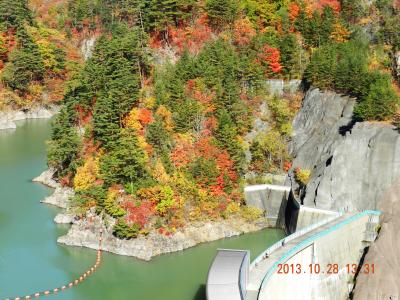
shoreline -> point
(86, 232)
(9, 117)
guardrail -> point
(293, 236)
(307, 241)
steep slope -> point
(384, 283)
(351, 165)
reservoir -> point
(32, 261)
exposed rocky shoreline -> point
(9, 117)
(86, 232)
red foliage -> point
(190, 37)
(243, 32)
(85, 116)
(206, 149)
(271, 57)
(138, 214)
(66, 180)
(320, 4)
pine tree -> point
(14, 13)
(226, 134)
(159, 14)
(126, 162)
(222, 12)
(63, 148)
(25, 64)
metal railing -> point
(293, 236)
(311, 239)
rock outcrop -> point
(46, 178)
(351, 165)
(64, 218)
(60, 196)
(384, 284)
(8, 118)
(87, 47)
(86, 233)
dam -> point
(319, 259)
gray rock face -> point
(46, 178)
(8, 118)
(384, 283)
(60, 197)
(396, 60)
(349, 171)
(86, 233)
(87, 47)
(64, 218)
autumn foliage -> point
(270, 57)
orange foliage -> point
(243, 32)
(145, 116)
(200, 94)
(320, 4)
(294, 11)
(183, 153)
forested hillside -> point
(35, 58)
(152, 126)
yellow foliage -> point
(36, 91)
(159, 173)
(233, 208)
(251, 213)
(86, 175)
(340, 34)
(132, 120)
(9, 99)
(149, 102)
(302, 175)
(166, 115)
(195, 214)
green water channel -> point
(32, 261)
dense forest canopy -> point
(153, 128)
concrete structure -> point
(268, 198)
(325, 253)
(228, 275)
(308, 216)
(278, 86)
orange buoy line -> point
(69, 285)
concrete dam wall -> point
(324, 261)
(316, 262)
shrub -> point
(124, 231)
(302, 175)
(251, 213)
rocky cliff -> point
(8, 118)
(354, 166)
(384, 284)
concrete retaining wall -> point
(278, 86)
(268, 198)
(308, 216)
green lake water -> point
(32, 261)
